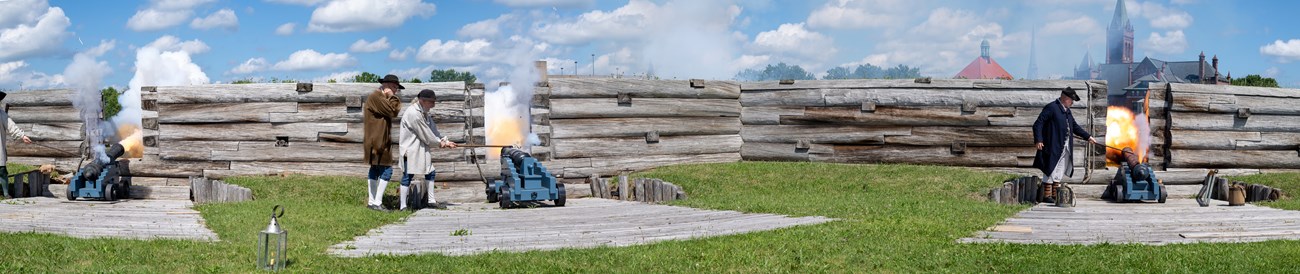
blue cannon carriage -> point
(523, 179)
(1135, 183)
(102, 180)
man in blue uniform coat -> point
(1052, 132)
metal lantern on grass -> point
(271, 243)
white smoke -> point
(85, 75)
(513, 101)
(154, 67)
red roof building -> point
(984, 67)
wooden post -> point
(622, 187)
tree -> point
(108, 96)
(243, 81)
(366, 77)
(1256, 81)
(415, 80)
(451, 75)
(780, 71)
(902, 72)
(869, 71)
(838, 73)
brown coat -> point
(380, 111)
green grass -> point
(892, 218)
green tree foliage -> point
(108, 96)
(451, 75)
(244, 81)
(869, 71)
(1256, 81)
(366, 77)
(780, 71)
(415, 80)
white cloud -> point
(340, 77)
(851, 14)
(750, 61)
(285, 29)
(416, 72)
(17, 12)
(620, 24)
(250, 66)
(946, 42)
(1172, 42)
(1285, 52)
(358, 15)
(401, 55)
(795, 41)
(161, 14)
(171, 43)
(1160, 16)
(311, 60)
(9, 71)
(490, 28)
(362, 45)
(28, 38)
(545, 3)
(1079, 25)
(298, 2)
(1272, 72)
(1183, 2)
(223, 19)
(456, 52)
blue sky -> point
(216, 41)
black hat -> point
(426, 94)
(392, 79)
(1069, 92)
(2, 95)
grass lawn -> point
(893, 218)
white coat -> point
(10, 129)
(417, 136)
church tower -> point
(1119, 37)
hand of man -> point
(388, 91)
(448, 144)
(27, 140)
(1039, 146)
(1091, 140)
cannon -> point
(523, 179)
(1135, 181)
(102, 180)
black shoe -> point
(378, 208)
(440, 205)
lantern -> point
(271, 243)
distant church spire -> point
(1033, 56)
(984, 49)
(1119, 37)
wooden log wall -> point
(1228, 126)
(48, 118)
(980, 123)
(606, 126)
(218, 131)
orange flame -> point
(132, 140)
(504, 131)
(1123, 131)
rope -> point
(1088, 153)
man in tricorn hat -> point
(380, 109)
(11, 129)
(1052, 132)
(419, 135)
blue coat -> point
(1053, 129)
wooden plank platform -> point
(582, 223)
(133, 219)
(1094, 221)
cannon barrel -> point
(90, 172)
(514, 154)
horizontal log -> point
(249, 131)
(638, 127)
(1224, 103)
(767, 115)
(1235, 90)
(355, 133)
(52, 131)
(821, 134)
(936, 155)
(611, 88)
(667, 145)
(152, 166)
(1210, 140)
(937, 97)
(643, 107)
(1026, 116)
(912, 83)
(585, 167)
(43, 148)
(193, 150)
(971, 136)
(64, 165)
(200, 113)
(45, 114)
(1229, 122)
(758, 151)
(317, 113)
(48, 97)
(1263, 159)
(312, 152)
(896, 116)
(321, 93)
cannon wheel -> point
(110, 192)
(72, 192)
(491, 195)
(125, 191)
(1119, 193)
(1163, 194)
(559, 201)
(504, 199)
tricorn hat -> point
(392, 79)
(1069, 92)
(2, 95)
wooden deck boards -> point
(133, 219)
(582, 223)
(1094, 221)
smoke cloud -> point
(85, 75)
(153, 67)
(507, 113)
